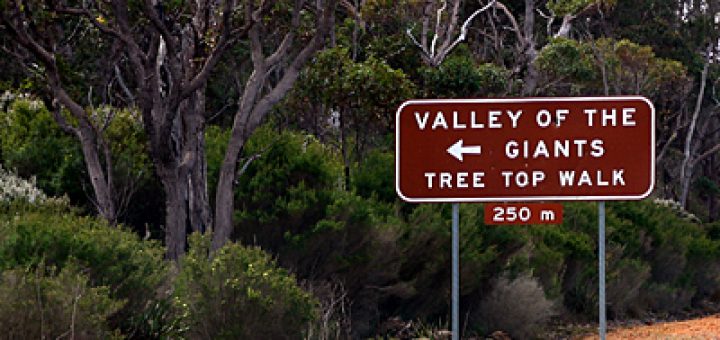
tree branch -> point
(464, 29)
(61, 121)
(707, 153)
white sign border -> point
(524, 198)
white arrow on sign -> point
(457, 150)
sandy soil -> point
(704, 328)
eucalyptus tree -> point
(168, 51)
(502, 26)
(52, 49)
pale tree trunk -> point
(565, 27)
(686, 168)
(531, 79)
(91, 141)
(441, 18)
(42, 49)
(526, 47)
(254, 105)
(100, 179)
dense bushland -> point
(389, 258)
(321, 247)
(68, 275)
(392, 258)
(374, 255)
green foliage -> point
(634, 69)
(370, 85)
(292, 204)
(45, 302)
(648, 245)
(568, 7)
(375, 177)
(670, 35)
(127, 140)
(566, 61)
(131, 269)
(359, 97)
(459, 77)
(32, 144)
(381, 34)
(425, 247)
(391, 258)
(238, 293)
(290, 201)
(216, 140)
(158, 320)
(287, 188)
(375, 89)
(571, 67)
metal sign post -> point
(601, 269)
(455, 271)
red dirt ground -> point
(703, 328)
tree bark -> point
(254, 106)
(175, 211)
(686, 168)
(184, 176)
(199, 212)
(100, 179)
(530, 52)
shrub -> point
(663, 298)
(459, 76)
(33, 145)
(334, 320)
(624, 281)
(286, 190)
(14, 188)
(374, 177)
(131, 269)
(41, 304)
(517, 306)
(566, 60)
(239, 293)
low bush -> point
(624, 282)
(239, 293)
(43, 303)
(663, 298)
(517, 306)
(52, 234)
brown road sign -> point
(526, 149)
